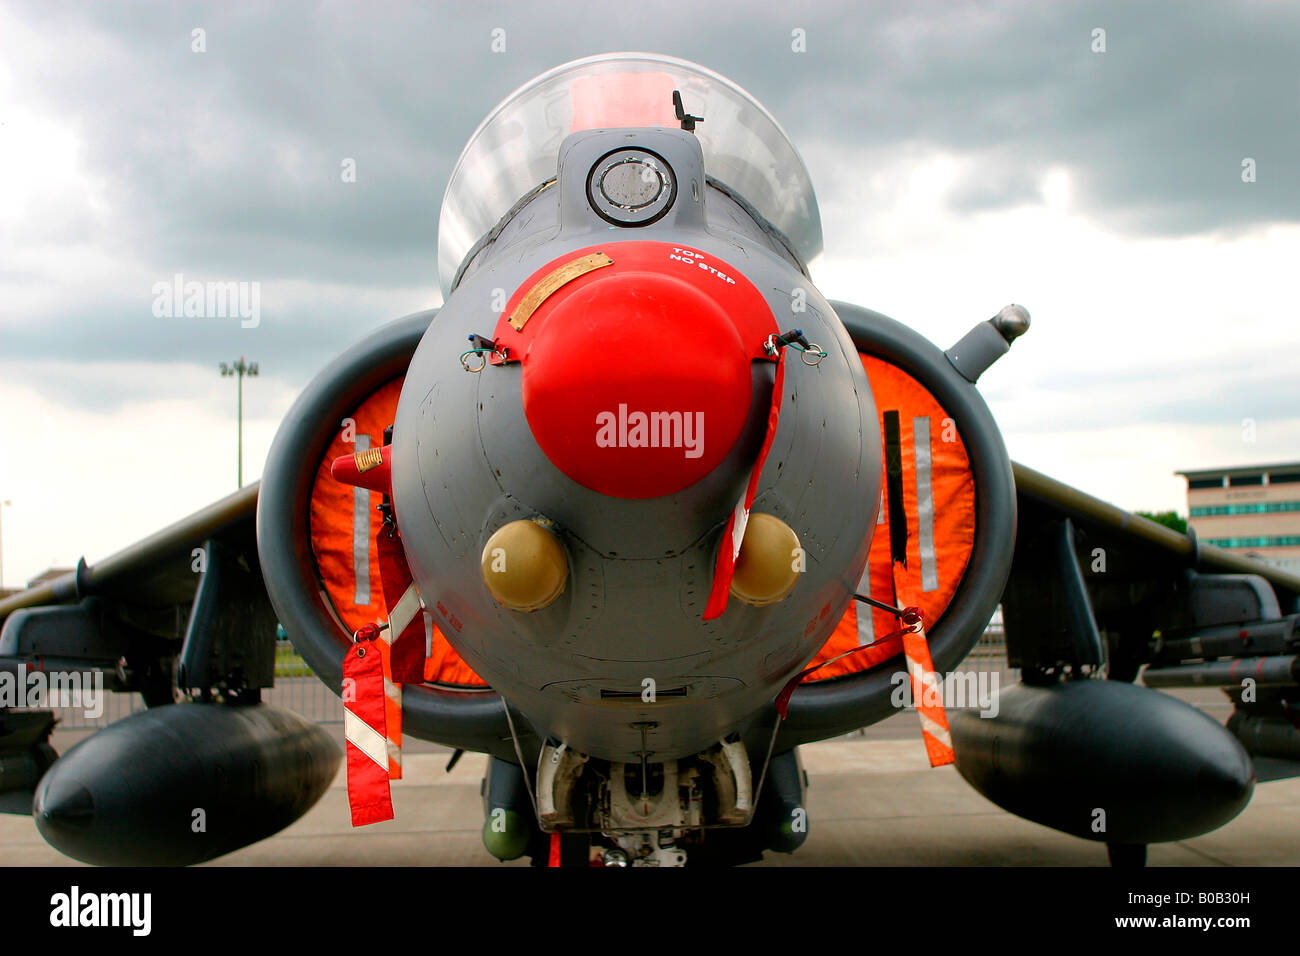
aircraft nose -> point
(1227, 777)
(66, 804)
(639, 384)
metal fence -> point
(990, 651)
(306, 696)
(297, 689)
(112, 707)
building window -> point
(1250, 508)
(1267, 541)
(1205, 482)
(1237, 481)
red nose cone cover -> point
(636, 377)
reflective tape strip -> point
(740, 519)
(365, 738)
(393, 727)
(428, 635)
(927, 699)
(925, 682)
(866, 620)
(361, 535)
(925, 504)
(880, 512)
(400, 617)
(939, 733)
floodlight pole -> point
(239, 369)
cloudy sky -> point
(964, 156)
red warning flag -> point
(927, 695)
(725, 568)
(405, 617)
(364, 727)
(927, 690)
(400, 655)
(405, 640)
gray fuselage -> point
(466, 462)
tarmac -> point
(873, 800)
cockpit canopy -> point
(514, 150)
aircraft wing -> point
(130, 614)
(155, 571)
(1092, 583)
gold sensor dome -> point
(524, 566)
(766, 566)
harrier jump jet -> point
(636, 513)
